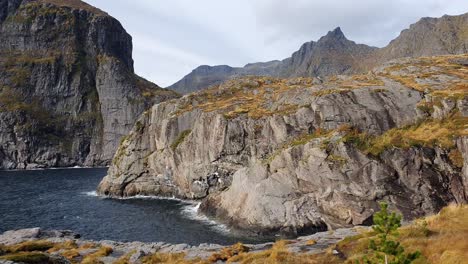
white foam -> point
(191, 211)
(91, 193)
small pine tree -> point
(385, 250)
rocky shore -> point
(134, 251)
(299, 155)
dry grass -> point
(299, 141)
(35, 245)
(125, 259)
(441, 239)
(411, 73)
(27, 257)
(94, 257)
(428, 133)
(247, 95)
(342, 86)
(171, 258)
(228, 252)
(279, 253)
(456, 91)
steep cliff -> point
(68, 91)
(269, 154)
(334, 54)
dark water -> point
(62, 199)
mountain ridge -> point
(334, 54)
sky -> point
(171, 38)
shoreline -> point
(186, 211)
(54, 168)
(312, 244)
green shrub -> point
(384, 249)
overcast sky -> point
(170, 38)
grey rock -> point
(68, 89)
(248, 172)
(18, 236)
(138, 250)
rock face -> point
(68, 92)
(334, 54)
(297, 155)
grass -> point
(413, 72)
(279, 253)
(35, 245)
(442, 238)
(249, 96)
(228, 252)
(27, 257)
(299, 141)
(170, 258)
(125, 259)
(180, 138)
(428, 133)
(93, 258)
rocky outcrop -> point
(300, 155)
(134, 252)
(334, 54)
(68, 92)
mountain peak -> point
(335, 34)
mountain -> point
(297, 155)
(335, 54)
(68, 92)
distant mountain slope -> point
(335, 54)
(68, 92)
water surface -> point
(63, 199)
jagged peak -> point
(335, 34)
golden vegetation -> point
(299, 141)
(170, 258)
(248, 95)
(442, 239)
(94, 257)
(228, 253)
(428, 133)
(423, 74)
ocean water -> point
(65, 199)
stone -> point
(18, 236)
(73, 94)
(273, 180)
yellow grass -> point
(441, 239)
(94, 257)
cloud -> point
(173, 37)
(373, 22)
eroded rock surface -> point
(301, 155)
(68, 92)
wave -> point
(91, 193)
(190, 209)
